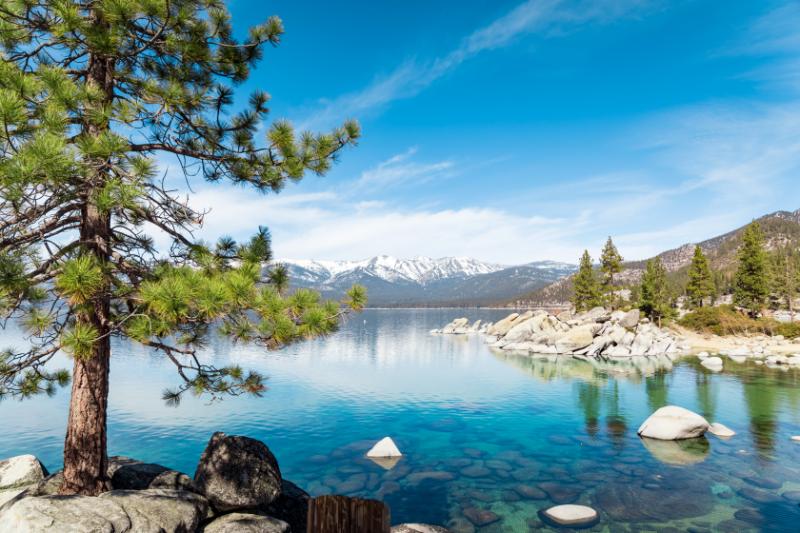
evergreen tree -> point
(654, 294)
(586, 290)
(92, 93)
(701, 281)
(785, 275)
(610, 264)
(751, 284)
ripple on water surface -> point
(489, 439)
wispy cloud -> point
(402, 170)
(547, 18)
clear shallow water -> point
(481, 431)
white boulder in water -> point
(673, 423)
(571, 515)
(721, 430)
(384, 448)
(712, 363)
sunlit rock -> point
(673, 423)
(384, 448)
(712, 363)
(20, 471)
(721, 430)
(571, 515)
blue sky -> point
(520, 131)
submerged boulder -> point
(673, 423)
(237, 472)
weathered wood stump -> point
(340, 514)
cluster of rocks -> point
(595, 333)
(237, 488)
(758, 354)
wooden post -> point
(340, 514)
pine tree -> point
(751, 284)
(91, 95)
(701, 280)
(785, 275)
(586, 290)
(654, 295)
(610, 264)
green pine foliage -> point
(784, 276)
(92, 94)
(610, 265)
(586, 293)
(751, 283)
(701, 284)
(655, 299)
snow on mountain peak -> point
(418, 270)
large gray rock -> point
(21, 471)
(237, 472)
(630, 320)
(64, 514)
(673, 423)
(641, 344)
(129, 474)
(160, 510)
(575, 339)
(501, 327)
(247, 523)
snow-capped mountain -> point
(424, 281)
(420, 270)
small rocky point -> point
(597, 333)
(237, 488)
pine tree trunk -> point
(85, 457)
(85, 452)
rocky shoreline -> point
(603, 335)
(237, 488)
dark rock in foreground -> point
(237, 473)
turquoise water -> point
(483, 432)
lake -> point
(482, 432)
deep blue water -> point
(481, 431)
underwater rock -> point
(480, 517)
(678, 452)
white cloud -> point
(546, 17)
(401, 170)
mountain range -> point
(424, 281)
(462, 281)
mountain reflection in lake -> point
(490, 438)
